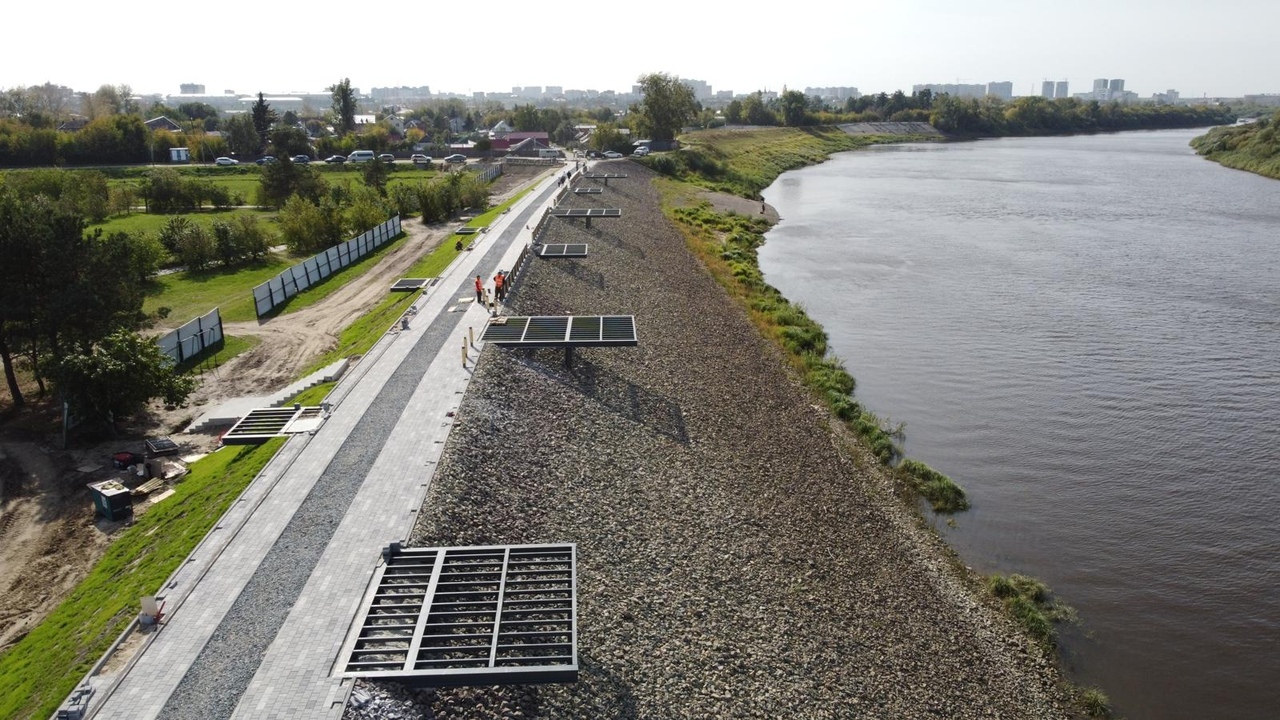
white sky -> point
(1197, 47)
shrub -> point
(942, 493)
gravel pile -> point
(738, 557)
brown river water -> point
(1084, 332)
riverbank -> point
(1253, 147)
(740, 553)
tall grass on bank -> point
(727, 244)
(1029, 603)
(744, 162)
(38, 672)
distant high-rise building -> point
(1060, 89)
(191, 89)
(1115, 86)
(833, 93)
(701, 89)
(1100, 85)
(1046, 89)
(954, 90)
(1002, 90)
(553, 90)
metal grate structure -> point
(562, 331)
(588, 190)
(470, 230)
(410, 284)
(606, 177)
(263, 424)
(588, 213)
(555, 250)
(469, 616)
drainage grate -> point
(470, 616)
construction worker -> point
(479, 290)
(500, 286)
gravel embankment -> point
(736, 558)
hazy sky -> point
(1197, 47)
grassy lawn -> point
(152, 224)
(231, 347)
(189, 295)
(39, 671)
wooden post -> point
(464, 353)
(471, 334)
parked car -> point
(359, 156)
(456, 158)
(387, 157)
(266, 160)
(226, 161)
(595, 154)
(613, 154)
(302, 159)
(421, 159)
(641, 151)
(336, 159)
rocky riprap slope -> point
(737, 559)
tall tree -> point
(668, 105)
(241, 135)
(263, 118)
(344, 106)
(794, 108)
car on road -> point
(226, 161)
(456, 158)
(266, 160)
(387, 157)
(359, 156)
(421, 159)
(336, 159)
(302, 159)
(595, 154)
(613, 154)
(641, 151)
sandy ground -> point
(49, 538)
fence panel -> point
(192, 338)
(271, 294)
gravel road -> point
(738, 556)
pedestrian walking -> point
(479, 290)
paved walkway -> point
(361, 478)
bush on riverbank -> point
(1254, 147)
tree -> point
(344, 106)
(242, 136)
(117, 375)
(290, 141)
(668, 105)
(375, 175)
(733, 112)
(525, 118)
(283, 179)
(263, 118)
(794, 108)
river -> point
(1084, 333)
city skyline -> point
(1187, 45)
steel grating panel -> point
(588, 190)
(603, 176)
(587, 212)
(562, 331)
(410, 284)
(469, 616)
(470, 230)
(563, 250)
(263, 424)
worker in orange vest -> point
(479, 290)
(500, 286)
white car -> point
(641, 151)
(421, 159)
(613, 154)
(226, 161)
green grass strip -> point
(38, 672)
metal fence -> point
(193, 338)
(490, 173)
(272, 293)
